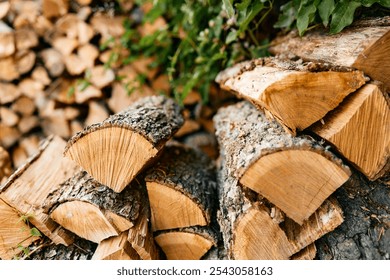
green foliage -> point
(34, 232)
(200, 39)
(335, 14)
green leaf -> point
(369, 3)
(343, 15)
(35, 232)
(231, 37)
(286, 16)
(384, 3)
(254, 10)
(304, 16)
(228, 7)
(325, 9)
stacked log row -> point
(182, 192)
(344, 114)
(274, 187)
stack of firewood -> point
(308, 124)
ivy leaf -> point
(228, 7)
(305, 14)
(343, 15)
(286, 16)
(35, 232)
(325, 9)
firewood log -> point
(359, 129)
(8, 93)
(251, 230)
(5, 165)
(125, 142)
(364, 46)
(55, 8)
(181, 184)
(295, 173)
(28, 187)
(93, 211)
(297, 95)
(189, 243)
(308, 253)
(8, 117)
(7, 40)
(115, 248)
(8, 136)
(25, 38)
(52, 60)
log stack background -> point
(299, 153)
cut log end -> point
(166, 202)
(121, 153)
(71, 216)
(182, 245)
(290, 179)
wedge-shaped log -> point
(306, 254)
(115, 248)
(182, 185)
(365, 46)
(251, 227)
(360, 129)
(186, 243)
(116, 150)
(28, 187)
(295, 173)
(297, 95)
(93, 211)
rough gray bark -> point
(365, 233)
(245, 134)
(156, 118)
(188, 171)
(83, 187)
(81, 249)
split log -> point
(55, 123)
(74, 64)
(8, 93)
(190, 243)
(96, 113)
(4, 9)
(364, 47)
(8, 69)
(365, 233)
(181, 184)
(251, 230)
(129, 141)
(8, 136)
(28, 187)
(24, 61)
(8, 117)
(55, 8)
(109, 213)
(25, 38)
(306, 254)
(19, 156)
(359, 129)
(101, 76)
(32, 88)
(204, 141)
(115, 248)
(24, 105)
(141, 237)
(40, 75)
(107, 26)
(52, 59)
(5, 165)
(88, 53)
(295, 173)
(65, 45)
(297, 95)
(14, 233)
(7, 40)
